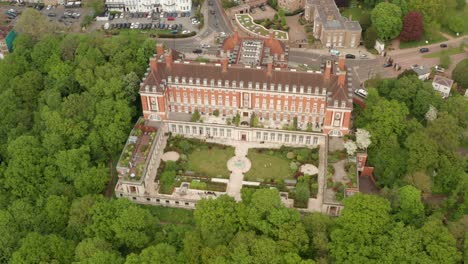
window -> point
(265, 136)
(308, 140)
(221, 132)
(286, 108)
(181, 129)
(315, 140)
(187, 130)
(259, 135)
(194, 130)
(272, 136)
(215, 132)
(301, 139)
(174, 129)
(200, 130)
(280, 137)
(208, 131)
(286, 138)
(220, 99)
(293, 138)
(229, 133)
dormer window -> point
(272, 87)
(176, 79)
(257, 86)
(205, 81)
(316, 90)
(197, 81)
(191, 80)
(169, 78)
(309, 89)
(220, 83)
(212, 82)
(294, 88)
(226, 83)
(343, 104)
(324, 91)
(241, 84)
(264, 86)
(287, 87)
(250, 85)
(234, 84)
(335, 103)
(183, 79)
(279, 87)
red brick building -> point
(251, 77)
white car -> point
(49, 7)
(439, 69)
(361, 92)
(363, 55)
(206, 46)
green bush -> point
(198, 185)
(216, 112)
(291, 155)
(167, 182)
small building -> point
(442, 85)
(422, 72)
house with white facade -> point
(422, 72)
(149, 5)
(442, 85)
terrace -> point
(136, 152)
(247, 22)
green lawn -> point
(210, 162)
(449, 52)
(355, 12)
(171, 215)
(422, 42)
(265, 166)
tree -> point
(362, 138)
(431, 10)
(80, 216)
(386, 18)
(350, 147)
(302, 193)
(445, 132)
(365, 21)
(159, 254)
(439, 244)
(195, 116)
(92, 180)
(23, 176)
(318, 226)
(370, 38)
(216, 220)
(33, 23)
(411, 208)
(412, 27)
(444, 60)
(456, 24)
(459, 73)
(421, 180)
(96, 250)
(36, 248)
(403, 4)
(449, 174)
(56, 213)
(422, 151)
(364, 218)
(371, 3)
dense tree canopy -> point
(67, 105)
(386, 18)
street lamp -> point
(458, 34)
(427, 42)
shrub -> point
(459, 73)
(185, 146)
(195, 116)
(198, 185)
(216, 112)
(167, 182)
(445, 60)
(370, 37)
(291, 155)
(293, 166)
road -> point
(214, 24)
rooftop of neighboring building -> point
(441, 80)
(421, 70)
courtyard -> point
(247, 22)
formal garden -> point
(281, 168)
(198, 163)
(247, 22)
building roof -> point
(330, 17)
(270, 47)
(421, 70)
(280, 80)
(441, 80)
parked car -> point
(350, 56)
(197, 51)
(388, 64)
(363, 56)
(51, 15)
(361, 92)
(335, 52)
(205, 46)
(439, 69)
(170, 18)
(263, 8)
(212, 12)
(443, 45)
(414, 66)
(423, 50)
(210, 3)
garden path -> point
(237, 172)
(340, 174)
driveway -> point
(296, 30)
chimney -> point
(236, 37)
(328, 67)
(169, 59)
(341, 63)
(271, 35)
(159, 49)
(270, 68)
(341, 78)
(224, 63)
(153, 64)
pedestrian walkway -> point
(238, 165)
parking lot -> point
(70, 17)
(166, 22)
